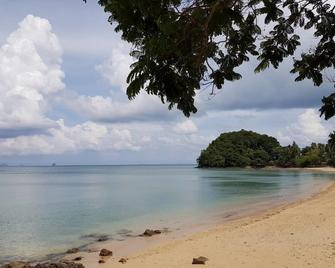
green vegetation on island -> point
(247, 148)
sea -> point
(46, 210)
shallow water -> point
(47, 210)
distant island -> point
(247, 148)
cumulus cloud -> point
(106, 109)
(86, 136)
(308, 128)
(117, 67)
(194, 141)
(29, 73)
(185, 127)
(116, 107)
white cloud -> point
(86, 136)
(185, 127)
(104, 109)
(29, 72)
(200, 140)
(146, 139)
(95, 107)
(117, 67)
(116, 107)
(192, 141)
(308, 128)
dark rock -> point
(61, 264)
(123, 260)
(149, 232)
(90, 236)
(72, 251)
(16, 264)
(96, 236)
(199, 260)
(105, 252)
(102, 238)
(78, 258)
(101, 261)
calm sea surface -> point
(50, 209)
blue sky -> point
(62, 78)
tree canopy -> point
(180, 46)
(246, 148)
(239, 149)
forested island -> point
(247, 148)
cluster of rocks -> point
(103, 253)
(68, 264)
(149, 232)
(96, 237)
(60, 264)
(72, 251)
(108, 253)
(16, 264)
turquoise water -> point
(50, 209)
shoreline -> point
(158, 247)
(137, 249)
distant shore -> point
(321, 168)
(301, 234)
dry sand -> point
(296, 235)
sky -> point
(63, 76)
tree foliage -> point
(287, 156)
(246, 148)
(314, 155)
(182, 45)
(239, 149)
(330, 149)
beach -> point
(301, 234)
(134, 134)
(259, 218)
